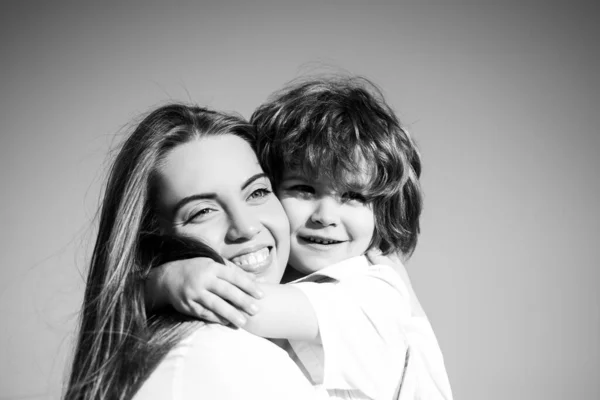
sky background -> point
(502, 97)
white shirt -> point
(371, 345)
(218, 362)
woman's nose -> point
(326, 212)
(243, 224)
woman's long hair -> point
(118, 345)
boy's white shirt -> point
(371, 343)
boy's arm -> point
(283, 313)
(203, 289)
(214, 292)
(155, 297)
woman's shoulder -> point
(227, 341)
(219, 362)
(210, 347)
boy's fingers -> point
(235, 296)
(205, 315)
(242, 280)
(391, 260)
(230, 264)
(395, 257)
(374, 251)
(375, 257)
(239, 270)
(222, 308)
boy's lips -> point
(254, 260)
(319, 240)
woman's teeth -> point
(254, 258)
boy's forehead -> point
(342, 177)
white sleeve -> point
(361, 332)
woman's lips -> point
(254, 262)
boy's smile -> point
(326, 226)
(320, 240)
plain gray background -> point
(502, 97)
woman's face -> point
(214, 190)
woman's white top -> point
(372, 344)
(220, 363)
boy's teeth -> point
(252, 258)
(321, 241)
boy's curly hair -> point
(330, 128)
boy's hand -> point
(205, 289)
(391, 260)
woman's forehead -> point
(216, 164)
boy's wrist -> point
(154, 298)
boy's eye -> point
(259, 193)
(302, 189)
(354, 196)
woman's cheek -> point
(210, 234)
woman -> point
(180, 166)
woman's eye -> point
(260, 193)
(354, 196)
(196, 215)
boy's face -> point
(326, 226)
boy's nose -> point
(326, 212)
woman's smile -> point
(254, 261)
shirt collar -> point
(339, 270)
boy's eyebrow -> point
(294, 175)
(212, 195)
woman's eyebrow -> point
(212, 196)
(252, 179)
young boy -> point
(347, 176)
